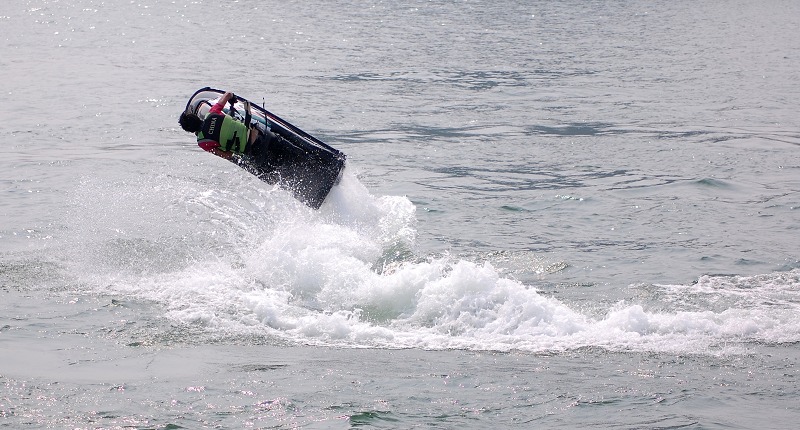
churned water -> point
(565, 214)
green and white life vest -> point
(229, 133)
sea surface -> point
(555, 215)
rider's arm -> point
(217, 108)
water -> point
(555, 214)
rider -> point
(221, 134)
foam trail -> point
(255, 261)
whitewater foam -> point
(258, 262)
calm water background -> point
(555, 215)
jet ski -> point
(314, 167)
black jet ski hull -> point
(307, 167)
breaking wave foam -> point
(349, 275)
